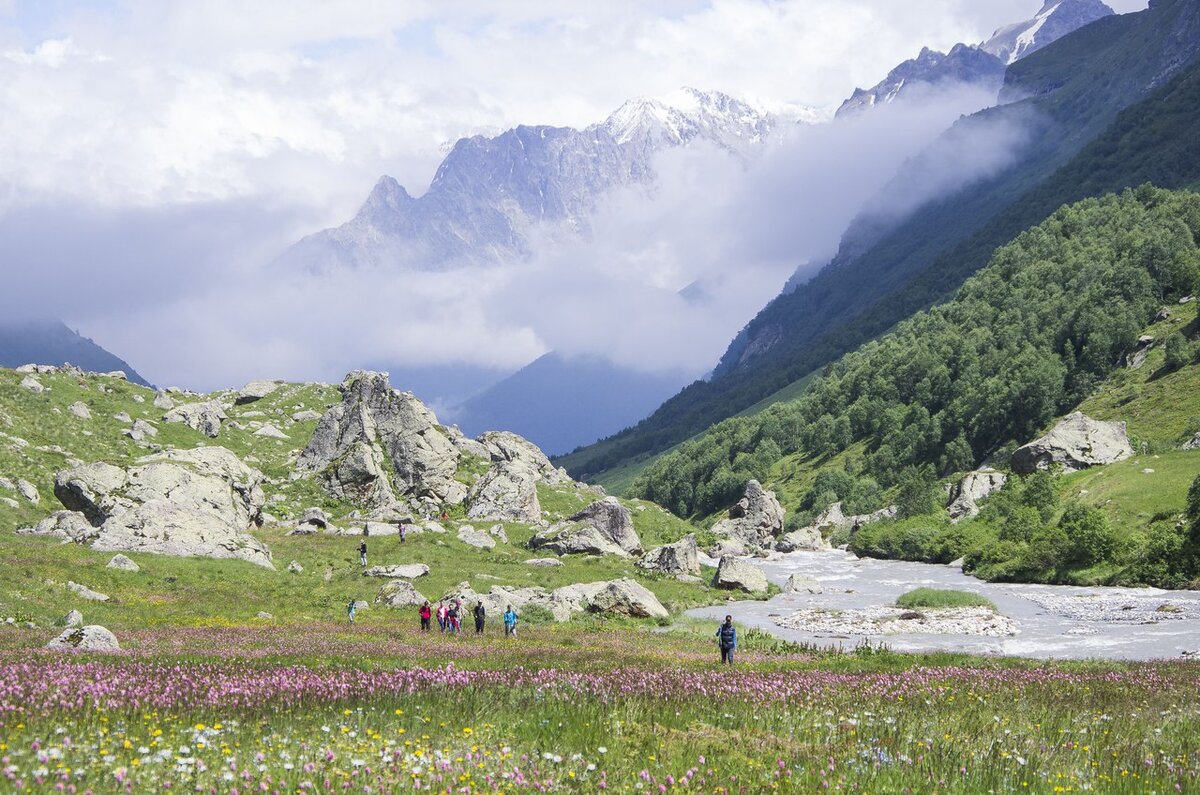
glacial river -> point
(1053, 621)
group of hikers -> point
(449, 614)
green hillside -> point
(1082, 144)
(1043, 329)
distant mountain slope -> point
(490, 192)
(1056, 19)
(51, 342)
(559, 403)
(1075, 88)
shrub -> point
(938, 597)
(1091, 539)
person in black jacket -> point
(727, 640)
(362, 553)
(480, 617)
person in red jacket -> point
(426, 614)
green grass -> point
(933, 598)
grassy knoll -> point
(942, 597)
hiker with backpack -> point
(727, 640)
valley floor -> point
(378, 707)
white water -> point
(1054, 621)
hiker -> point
(362, 553)
(480, 617)
(351, 609)
(426, 613)
(442, 615)
(727, 640)
(452, 617)
(510, 621)
(445, 516)
(402, 531)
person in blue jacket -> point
(510, 621)
(727, 640)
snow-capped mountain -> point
(490, 191)
(980, 65)
(1056, 19)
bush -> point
(1177, 351)
(1091, 539)
(937, 597)
(536, 614)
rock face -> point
(755, 520)
(204, 417)
(508, 490)
(90, 638)
(975, 486)
(123, 563)
(628, 598)
(255, 390)
(682, 557)
(404, 571)
(741, 575)
(603, 528)
(375, 424)
(399, 593)
(1076, 442)
(188, 503)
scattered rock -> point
(399, 593)
(123, 563)
(84, 592)
(497, 532)
(123, 416)
(834, 518)
(735, 574)
(894, 621)
(163, 401)
(9, 502)
(90, 638)
(544, 562)
(974, 486)
(205, 417)
(255, 390)
(295, 568)
(1163, 314)
(263, 614)
(72, 619)
(682, 557)
(475, 538)
(628, 598)
(32, 384)
(71, 525)
(28, 491)
(756, 519)
(141, 430)
(308, 415)
(271, 432)
(405, 571)
(799, 583)
(1076, 442)
(80, 410)
(729, 547)
(7, 484)
(1194, 444)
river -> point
(1052, 621)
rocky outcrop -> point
(476, 538)
(313, 520)
(603, 528)
(399, 593)
(508, 490)
(1076, 442)
(373, 425)
(205, 417)
(1193, 443)
(188, 503)
(254, 391)
(834, 518)
(403, 571)
(682, 557)
(740, 575)
(627, 597)
(756, 519)
(90, 638)
(70, 525)
(1137, 357)
(974, 486)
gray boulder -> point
(269, 431)
(614, 521)
(90, 638)
(544, 562)
(682, 557)
(70, 525)
(32, 384)
(799, 583)
(475, 538)
(968, 492)
(603, 528)
(756, 519)
(404, 571)
(123, 416)
(508, 491)
(375, 424)
(28, 491)
(834, 518)
(187, 503)
(79, 410)
(205, 417)
(72, 619)
(1193, 444)
(84, 592)
(123, 563)
(399, 593)
(295, 568)
(255, 390)
(163, 401)
(740, 575)
(308, 415)
(806, 539)
(1076, 442)
(627, 597)
(141, 430)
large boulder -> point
(476, 538)
(1076, 442)
(204, 417)
(123, 563)
(255, 390)
(682, 557)
(70, 525)
(806, 539)
(740, 575)
(399, 593)
(974, 486)
(508, 491)
(755, 520)
(90, 638)
(627, 597)
(603, 528)
(191, 503)
(375, 424)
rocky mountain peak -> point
(1056, 19)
